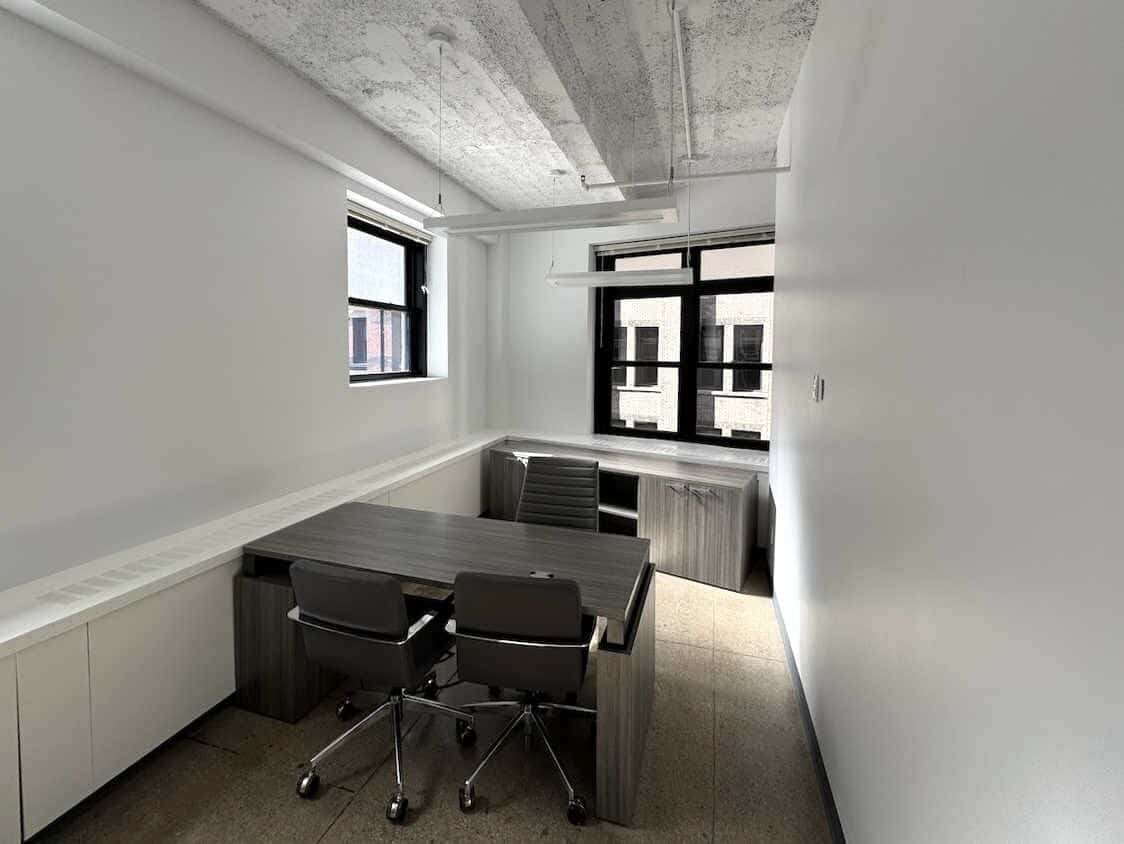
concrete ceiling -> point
(532, 85)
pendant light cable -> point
(440, 126)
(671, 97)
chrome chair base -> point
(528, 717)
(309, 782)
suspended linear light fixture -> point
(660, 209)
(643, 278)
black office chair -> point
(559, 491)
(528, 634)
(358, 623)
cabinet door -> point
(158, 664)
(717, 550)
(663, 513)
(56, 758)
(9, 755)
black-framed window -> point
(386, 319)
(705, 347)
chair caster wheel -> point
(308, 785)
(576, 812)
(346, 710)
(466, 796)
(429, 687)
(396, 808)
(466, 734)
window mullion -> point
(688, 357)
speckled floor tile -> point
(192, 792)
(766, 787)
(726, 759)
(684, 611)
(746, 624)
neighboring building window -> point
(747, 349)
(712, 338)
(386, 303)
(705, 347)
(620, 352)
(647, 348)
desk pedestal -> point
(273, 675)
(626, 679)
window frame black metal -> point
(415, 299)
(689, 364)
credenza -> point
(701, 519)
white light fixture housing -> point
(659, 209)
(624, 278)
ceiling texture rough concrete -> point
(583, 86)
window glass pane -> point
(747, 343)
(723, 406)
(378, 341)
(710, 379)
(666, 261)
(640, 403)
(745, 322)
(620, 343)
(376, 268)
(646, 328)
(737, 262)
(711, 342)
(746, 435)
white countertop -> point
(709, 455)
(35, 611)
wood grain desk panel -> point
(433, 548)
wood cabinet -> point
(718, 535)
(664, 512)
(699, 531)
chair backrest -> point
(520, 632)
(355, 622)
(362, 601)
(559, 491)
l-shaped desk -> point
(429, 550)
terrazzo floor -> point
(726, 759)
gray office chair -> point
(528, 634)
(358, 623)
(559, 491)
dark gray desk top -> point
(432, 548)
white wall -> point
(173, 299)
(548, 364)
(948, 557)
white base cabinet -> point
(56, 759)
(9, 755)
(88, 703)
(157, 665)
